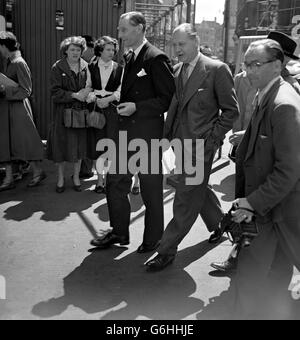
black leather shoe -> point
(215, 236)
(109, 240)
(100, 190)
(160, 262)
(77, 188)
(144, 248)
(7, 186)
(228, 266)
(37, 180)
(60, 190)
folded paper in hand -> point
(7, 81)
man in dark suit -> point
(147, 89)
(203, 107)
(268, 185)
(289, 47)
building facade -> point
(261, 17)
(211, 35)
(230, 37)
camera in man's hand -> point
(242, 233)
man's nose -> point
(249, 71)
(177, 49)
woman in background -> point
(19, 139)
(106, 83)
(70, 85)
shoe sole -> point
(223, 270)
(107, 246)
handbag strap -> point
(95, 105)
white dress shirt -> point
(106, 68)
(265, 90)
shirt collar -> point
(103, 63)
(265, 90)
(138, 50)
(193, 63)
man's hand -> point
(79, 96)
(237, 137)
(242, 215)
(126, 109)
(103, 103)
(91, 98)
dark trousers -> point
(118, 189)
(190, 201)
(264, 274)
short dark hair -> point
(77, 41)
(136, 18)
(102, 42)
(9, 40)
(90, 41)
(272, 47)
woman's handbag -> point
(75, 119)
(96, 120)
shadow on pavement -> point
(24, 202)
(277, 305)
(226, 187)
(54, 207)
(121, 289)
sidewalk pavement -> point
(52, 273)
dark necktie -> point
(184, 74)
(255, 107)
(253, 125)
(129, 59)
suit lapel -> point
(195, 81)
(112, 76)
(98, 76)
(258, 115)
(130, 76)
(253, 133)
(64, 66)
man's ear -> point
(279, 65)
(140, 28)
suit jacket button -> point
(133, 121)
(121, 120)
